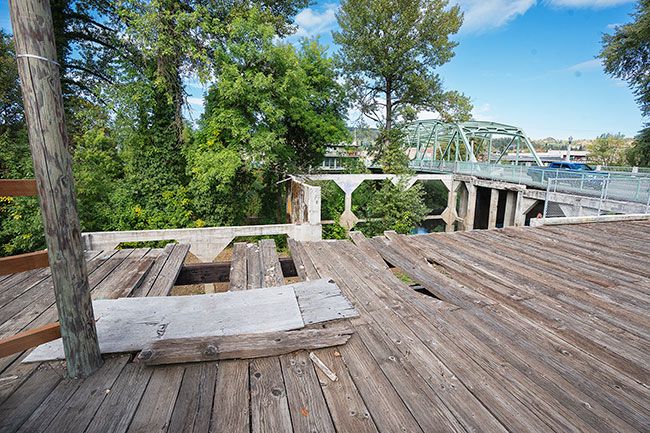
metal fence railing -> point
(623, 186)
(603, 189)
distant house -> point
(549, 156)
(336, 155)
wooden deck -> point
(504, 330)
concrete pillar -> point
(471, 206)
(450, 214)
(524, 205)
(511, 203)
(348, 184)
(494, 206)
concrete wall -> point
(303, 210)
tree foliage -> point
(608, 149)
(271, 112)
(395, 207)
(389, 51)
(626, 55)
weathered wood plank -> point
(16, 409)
(193, 408)
(23, 262)
(28, 339)
(241, 346)
(121, 327)
(119, 406)
(270, 262)
(231, 409)
(231, 398)
(75, 414)
(323, 302)
(269, 405)
(307, 406)
(160, 259)
(18, 187)
(369, 250)
(254, 269)
(238, 275)
(378, 294)
(157, 404)
(168, 274)
(345, 404)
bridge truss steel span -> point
(431, 141)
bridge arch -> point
(431, 141)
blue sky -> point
(523, 62)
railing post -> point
(607, 185)
(548, 192)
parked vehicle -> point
(568, 170)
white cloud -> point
(312, 22)
(482, 15)
(588, 3)
(613, 26)
(195, 101)
(483, 112)
(586, 65)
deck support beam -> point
(41, 87)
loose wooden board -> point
(131, 324)
(244, 346)
(322, 301)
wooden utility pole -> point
(41, 86)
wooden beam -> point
(28, 339)
(17, 187)
(23, 262)
(219, 272)
(31, 21)
(243, 346)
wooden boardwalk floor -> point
(543, 329)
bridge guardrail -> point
(607, 188)
(633, 187)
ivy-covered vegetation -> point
(271, 109)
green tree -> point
(389, 51)
(21, 229)
(626, 55)
(272, 111)
(608, 149)
(639, 153)
(395, 207)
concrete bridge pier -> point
(485, 204)
(511, 207)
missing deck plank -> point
(219, 272)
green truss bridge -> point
(478, 149)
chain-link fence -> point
(603, 192)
